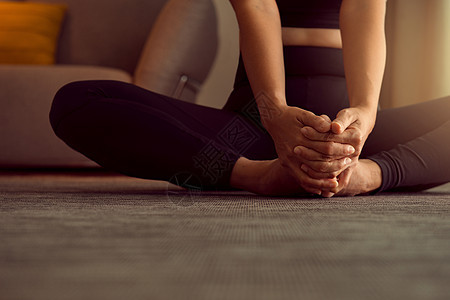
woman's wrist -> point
(368, 104)
(368, 110)
(272, 99)
(270, 108)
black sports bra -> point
(309, 13)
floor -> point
(96, 235)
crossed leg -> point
(144, 134)
(411, 145)
(407, 150)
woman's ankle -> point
(374, 173)
(249, 175)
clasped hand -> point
(317, 151)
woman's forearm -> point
(262, 49)
(364, 50)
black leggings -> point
(144, 134)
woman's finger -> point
(327, 194)
(351, 136)
(310, 119)
(326, 118)
(330, 150)
(320, 184)
(307, 154)
(343, 119)
(324, 170)
(331, 167)
(312, 184)
(343, 180)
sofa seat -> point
(28, 91)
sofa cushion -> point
(26, 94)
(29, 32)
(105, 32)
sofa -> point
(165, 46)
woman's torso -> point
(310, 22)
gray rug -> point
(106, 236)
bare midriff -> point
(316, 37)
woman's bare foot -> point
(266, 177)
(364, 178)
(270, 177)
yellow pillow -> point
(29, 32)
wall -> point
(418, 37)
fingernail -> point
(304, 168)
(334, 184)
(338, 129)
(347, 161)
(297, 150)
(350, 150)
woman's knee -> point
(70, 98)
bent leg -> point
(147, 135)
(412, 145)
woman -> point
(301, 117)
